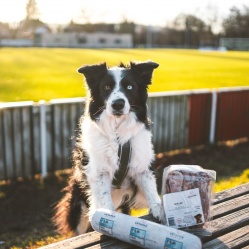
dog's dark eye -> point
(107, 88)
(129, 87)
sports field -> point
(46, 73)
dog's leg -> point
(147, 184)
(101, 193)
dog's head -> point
(118, 90)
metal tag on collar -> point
(124, 153)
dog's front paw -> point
(157, 211)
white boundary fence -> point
(39, 137)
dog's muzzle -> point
(118, 106)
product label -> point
(183, 209)
(137, 235)
(106, 225)
(172, 244)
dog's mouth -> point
(117, 113)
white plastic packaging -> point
(141, 232)
(187, 192)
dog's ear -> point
(93, 73)
(144, 70)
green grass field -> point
(46, 73)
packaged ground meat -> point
(187, 192)
(142, 233)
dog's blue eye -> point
(129, 87)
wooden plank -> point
(36, 137)
(165, 123)
(228, 223)
(233, 240)
(52, 115)
(114, 244)
(184, 123)
(177, 121)
(58, 136)
(171, 123)
(153, 114)
(160, 128)
(231, 193)
(18, 142)
(3, 163)
(49, 145)
(74, 126)
(22, 162)
(84, 240)
(26, 142)
(68, 134)
(8, 142)
(62, 128)
(13, 141)
(230, 206)
(32, 149)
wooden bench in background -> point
(230, 226)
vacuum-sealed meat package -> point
(187, 192)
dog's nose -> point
(118, 104)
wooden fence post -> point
(213, 116)
(42, 104)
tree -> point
(126, 27)
(32, 12)
(189, 22)
(236, 25)
(188, 30)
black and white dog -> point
(114, 153)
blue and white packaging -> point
(143, 233)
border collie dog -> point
(113, 154)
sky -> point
(146, 12)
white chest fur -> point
(102, 139)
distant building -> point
(90, 27)
(16, 43)
(29, 29)
(27, 34)
(87, 40)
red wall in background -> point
(199, 118)
(232, 118)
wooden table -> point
(230, 226)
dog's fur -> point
(115, 112)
